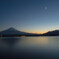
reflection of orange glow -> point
(43, 39)
(23, 36)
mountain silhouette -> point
(52, 33)
(12, 31)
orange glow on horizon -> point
(35, 32)
(38, 32)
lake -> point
(29, 47)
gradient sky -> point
(36, 16)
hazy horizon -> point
(32, 16)
(25, 31)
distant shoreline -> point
(28, 35)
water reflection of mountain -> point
(10, 41)
(7, 47)
(35, 48)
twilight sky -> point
(34, 16)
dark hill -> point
(52, 33)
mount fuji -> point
(13, 31)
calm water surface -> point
(29, 47)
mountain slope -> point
(12, 31)
(52, 33)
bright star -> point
(45, 8)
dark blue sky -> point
(35, 16)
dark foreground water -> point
(29, 48)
